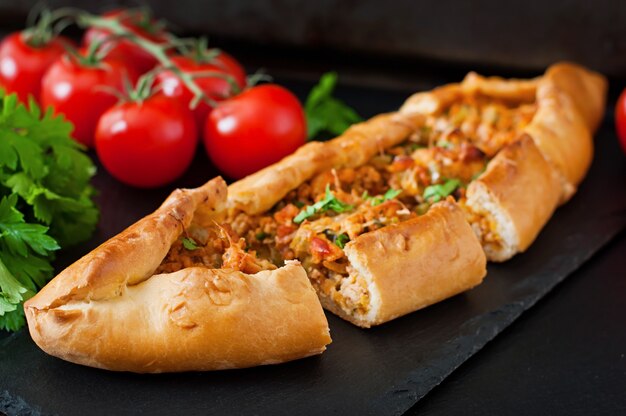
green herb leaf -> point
(330, 202)
(341, 240)
(189, 243)
(46, 200)
(325, 113)
(261, 236)
(435, 193)
(25, 252)
(377, 200)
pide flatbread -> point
(118, 308)
(399, 212)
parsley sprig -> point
(190, 244)
(435, 193)
(377, 200)
(325, 113)
(24, 266)
(341, 240)
(330, 202)
(45, 200)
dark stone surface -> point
(565, 356)
(384, 370)
(513, 34)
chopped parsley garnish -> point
(436, 193)
(377, 200)
(189, 243)
(330, 202)
(341, 240)
(261, 236)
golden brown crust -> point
(108, 310)
(570, 103)
(124, 260)
(416, 263)
(196, 319)
(260, 191)
(521, 90)
(586, 88)
(523, 187)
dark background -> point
(524, 36)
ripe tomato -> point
(22, 65)
(83, 92)
(214, 87)
(141, 24)
(620, 119)
(254, 129)
(147, 144)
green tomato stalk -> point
(116, 28)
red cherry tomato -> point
(22, 66)
(214, 87)
(139, 23)
(254, 129)
(620, 119)
(147, 144)
(83, 93)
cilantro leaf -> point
(325, 113)
(436, 193)
(330, 202)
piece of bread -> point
(507, 205)
(109, 310)
(514, 199)
(570, 104)
(413, 264)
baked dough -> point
(109, 311)
(507, 205)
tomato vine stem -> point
(116, 28)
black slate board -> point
(383, 370)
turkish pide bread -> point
(480, 163)
(399, 212)
(136, 304)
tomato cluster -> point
(149, 141)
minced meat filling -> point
(217, 247)
(314, 222)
